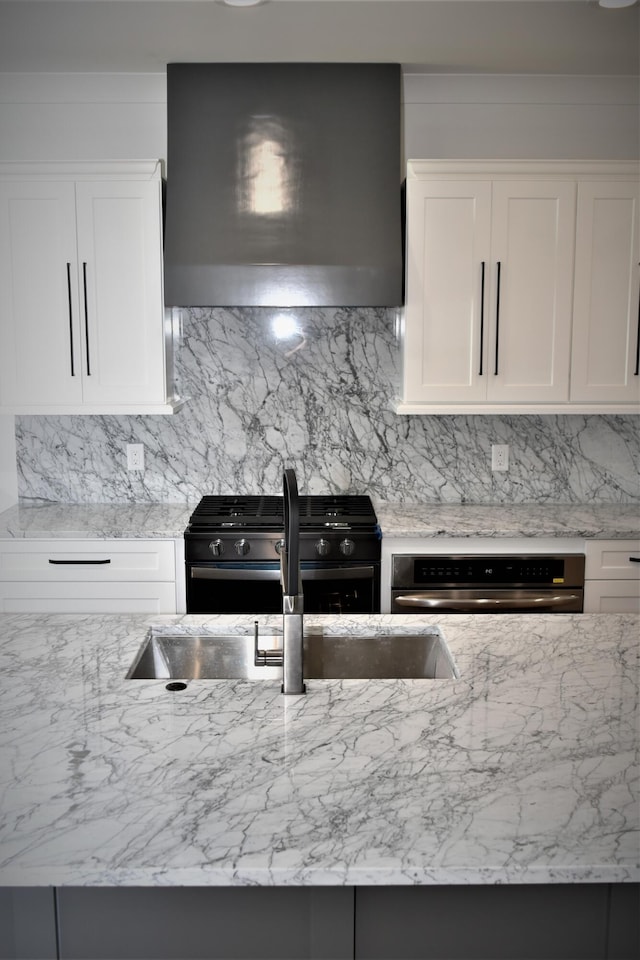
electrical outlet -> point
(499, 456)
(135, 456)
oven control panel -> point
(510, 571)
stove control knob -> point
(347, 547)
(216, 547)
(323, 547)
(279, 546)
(242, 547)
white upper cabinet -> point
(448, 269)
(606, 313)
(82, 325)
(489, 318)
(529, 331)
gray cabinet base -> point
(515, 922)
(556, 922)
(206, 923)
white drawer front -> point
(611, 560)
(612, 596)
(39, 597)
(87, 560)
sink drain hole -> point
(176, 685)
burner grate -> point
(265, 511)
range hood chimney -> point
(283, 185)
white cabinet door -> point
(120, 264)
(82, 320)
(606, 319)
(611, 596)
(522, 287)
(489, 291)
(91, 597)
(449, 226)
(612, 560)
(39, 305)
(532, 240)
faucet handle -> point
(291, 577)
(265, 658)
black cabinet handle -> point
(481, 317)
(73, 369)
(68, 562)
(634, 559)
(86, 316)
(636, 372)
(495, 372)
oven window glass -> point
(334, 595)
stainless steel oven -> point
(232, 547)
(488, 584)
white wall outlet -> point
(499, 456)
(135, 456)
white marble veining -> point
(159, 520)
(318, 400)
(523, 770)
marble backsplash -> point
(310, 388)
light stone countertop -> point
(77, 521)
(402, 520)
(524, 770)
(599, 521)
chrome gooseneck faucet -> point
(292, 599)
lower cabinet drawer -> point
(612, 560)
(612, 596)
(87, 560)
(87, 576)
(114, 597)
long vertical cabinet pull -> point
(73, 367)
(499, 265)
(481, 318)
(86, 317)
(636, 372)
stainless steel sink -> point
(206, 657)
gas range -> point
(250, 528)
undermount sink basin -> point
(206, 657)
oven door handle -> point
(319, 573)
(224, 573)
(526, 604)
(338, 573)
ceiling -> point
(435, 36)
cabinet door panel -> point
(77, 560)
(612, 559)
(88, 597)
(611, 596)
(605, 316)
(120, 260)
(39, 308)
(448, 242)
(211, 923)
(530, 334)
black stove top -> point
(215, 512)
(246, 529)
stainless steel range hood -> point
(283, 185)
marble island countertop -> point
(523, 770)
(401, 520)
